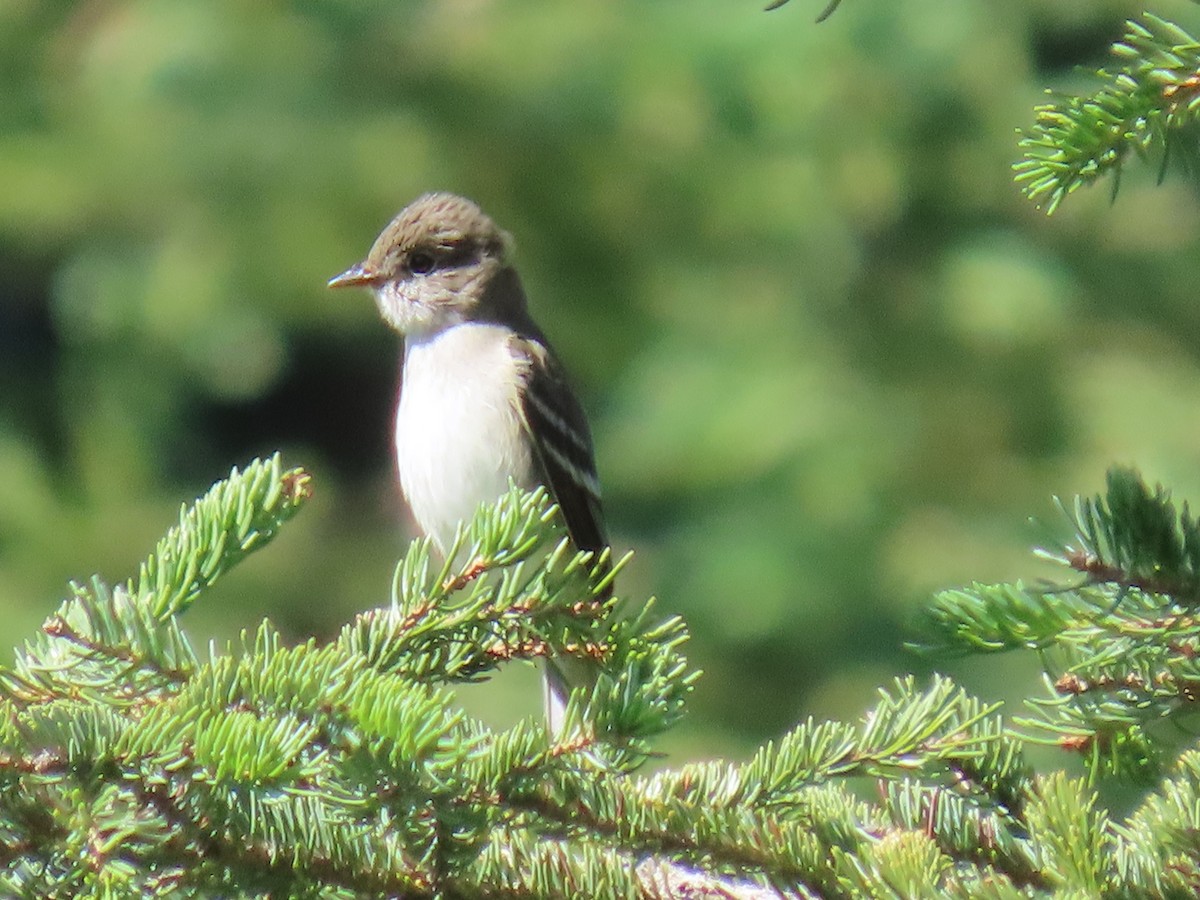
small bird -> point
(484, 400)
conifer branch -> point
(1148, 106)
(123, 643)
(1119, 645)
(347, 769)
(830, 7)
(132, 767)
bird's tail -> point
(561, 676)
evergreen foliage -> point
(134, 767)
(1147, 106)
(1119, 647)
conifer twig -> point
(1148, 105)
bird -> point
(484, 401)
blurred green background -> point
(834, 360)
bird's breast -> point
(459, 432)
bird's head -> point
(433, 266)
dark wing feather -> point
(563, 444)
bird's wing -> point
(562, 444)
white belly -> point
(459, 435)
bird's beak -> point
(358, 275)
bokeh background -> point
(834, 360)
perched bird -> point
(483, 398)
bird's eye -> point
(421, 263)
